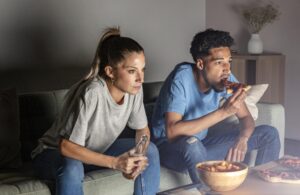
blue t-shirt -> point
(180, 94)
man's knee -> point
(192, 146)
(270, 135)
(269, 131)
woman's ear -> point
(200, 64)
(109, 72)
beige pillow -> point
(253, 96)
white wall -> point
(43, 35)
(282, 36)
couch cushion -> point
(107, 181)
(37, 113)
(151, 91)
(9, 130)
(101, 180)
(59, 96)
(28, 187)
(7, 189)
(172, 179)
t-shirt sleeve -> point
(176, 100)
(138, 118)
(76, 128)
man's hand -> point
(238, 151)
(234, 103)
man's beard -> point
(218, 88)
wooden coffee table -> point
(253, 185)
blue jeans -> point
(184, 153)
(69, 173)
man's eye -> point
(131, 71)
(219, 62)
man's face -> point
(216, 67)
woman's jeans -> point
(69, 173)
(184, 153)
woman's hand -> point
(130, 165)
(238, 151)
(142, 165)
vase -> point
(255, 45)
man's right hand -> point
(234, 103)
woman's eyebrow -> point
(130, 66)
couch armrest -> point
(274, 115)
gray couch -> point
(37, 112)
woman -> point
(95, 112)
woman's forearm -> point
(75, 151)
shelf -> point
(260, 69)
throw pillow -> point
(9, 130)
(253, 96)
(232, 123)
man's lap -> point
(214, 147)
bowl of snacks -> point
(222, 175)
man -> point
(188, 105)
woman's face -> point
(129, 74)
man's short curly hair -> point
(208, 39)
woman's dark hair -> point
(112, 49)
(208, 39)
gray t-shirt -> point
(100, 120)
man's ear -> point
(109, 72)
(200, 64)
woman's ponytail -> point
(76, 92)
(101, 52)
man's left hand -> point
(238, 151)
